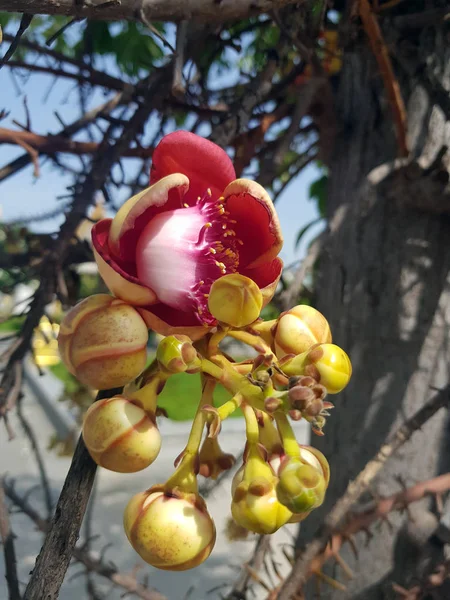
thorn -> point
(351, 541)
(344, 566)
(330, 581)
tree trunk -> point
(384, 285)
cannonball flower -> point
(195, 223)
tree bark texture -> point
(384, 285)
(152, 10)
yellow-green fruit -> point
(255, 506)
(120, 436)
(103, 342)
(301, 487)
(235, 300)
(298, 329)
(170, 533)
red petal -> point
(168, 321)
(256, 224)
(100, 234)
(203, 162)
(266, 277)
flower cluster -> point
(195, 258)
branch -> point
(105, 108)
(92, 564)
(355, 489)
(23, 26)
(217, 11)
(379, 512)
(8, 549)
(49, 144)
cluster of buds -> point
(197, 265)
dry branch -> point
(94, 565)
(354, 491)
(217, 11)
(56, 143)
(7, 538)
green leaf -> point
(304, 229)
(318, 192)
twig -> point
(95, 565)
(155, 32)
(262, 546)
(23, 26)
(8, 548)
(60, 31)
(178, 88)
(96, 77)
(39, 459)
(355, 489)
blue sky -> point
(22, 194)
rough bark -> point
(150, 10)
(385, 288)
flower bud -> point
(170, 532)
(120, 436)
(328, 364)
(213, 461)
(176, 354)
(301, 486)
(103, 342)
(235, 300)
(255, 506)
(298, 329)
(309, 455)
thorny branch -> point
(94, 565)
(49, 144)
(354, 491)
